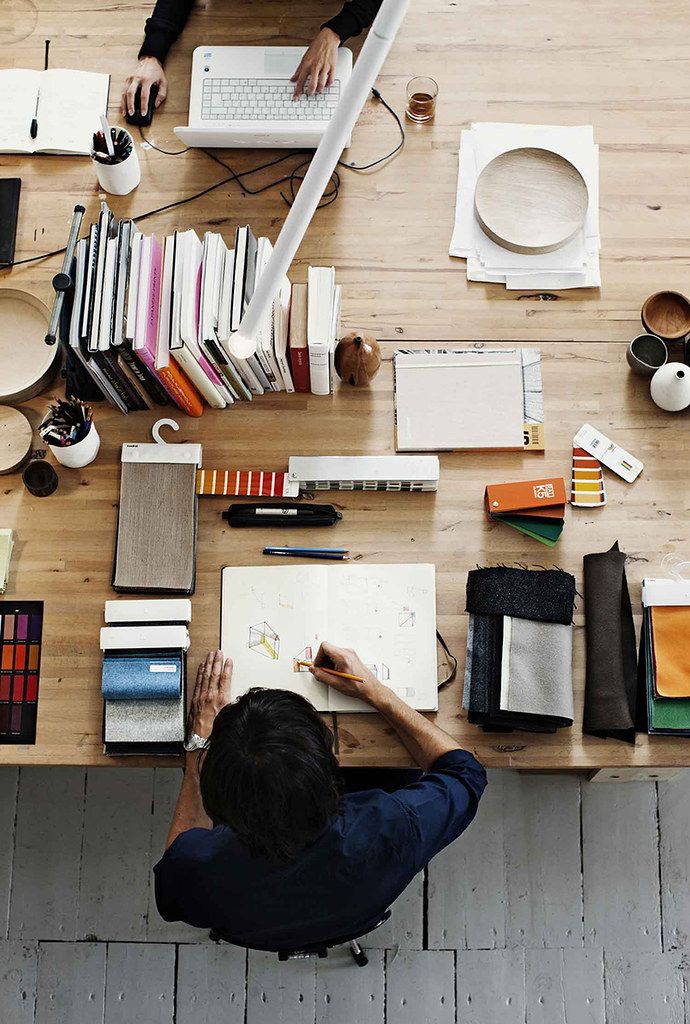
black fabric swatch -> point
(487, 644)
(611, 674)
(545, 595)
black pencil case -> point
(275, 514)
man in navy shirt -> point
(264, 844)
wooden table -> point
(554, 62)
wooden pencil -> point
(333, 672)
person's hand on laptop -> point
(211, 693)
(149, 71)
(345, 660)
(317, 67)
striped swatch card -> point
(587, 488)
(244, 483)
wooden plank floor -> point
(565, 903)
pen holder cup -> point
(76, 456)
(122, 178)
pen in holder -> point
(116, 162)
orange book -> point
(180, 388)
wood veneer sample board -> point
(530, 200)
(156, 533)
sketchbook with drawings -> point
(274, 617)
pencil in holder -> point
(119, 174)
(76, 456)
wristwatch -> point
(195, 742)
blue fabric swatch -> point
(142, 678)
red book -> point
(299, 353)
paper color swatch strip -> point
(21, 626)
(587, 485)
(244, 483)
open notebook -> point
(70, 104)
(273, 617)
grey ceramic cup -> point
(646, 353)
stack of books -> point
(143, 680)
(664, 658)
(152, 319)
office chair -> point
(319, 949)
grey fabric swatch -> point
(487, 639)
(467, 687)
(536, 669)
(145, 721)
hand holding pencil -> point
(344, 670)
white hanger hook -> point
(156, 428)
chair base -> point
(319, 949)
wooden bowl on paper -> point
(531, 200)
(667, 314)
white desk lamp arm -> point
(364, 74)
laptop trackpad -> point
(280, 61)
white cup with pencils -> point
(70, 433)
(115, 158)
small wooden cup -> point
(667, 314)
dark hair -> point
(270, 773)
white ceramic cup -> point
(76, 456)
(119, 179)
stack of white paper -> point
(575, 265)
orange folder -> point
(671, 633)
(542, 498)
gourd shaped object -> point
(357, 358)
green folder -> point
(545, 530)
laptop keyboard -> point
(264, 99)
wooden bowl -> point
(530, 200)
(667, 314)
(27, 364)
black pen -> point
(34, 124)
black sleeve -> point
(164, 26)
(355, 16)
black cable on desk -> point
(295, 175)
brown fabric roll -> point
(611, 676)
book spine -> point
(320, 368)
(256, 367)
(178, 387)
(189, 365)
(181, 390)
(299, 361)
(153, 388)
(101, 380)
(134, 398)
(123, 367)
(114, 381)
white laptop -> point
(241, 96)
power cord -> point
(296, 175)
(393, 152)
